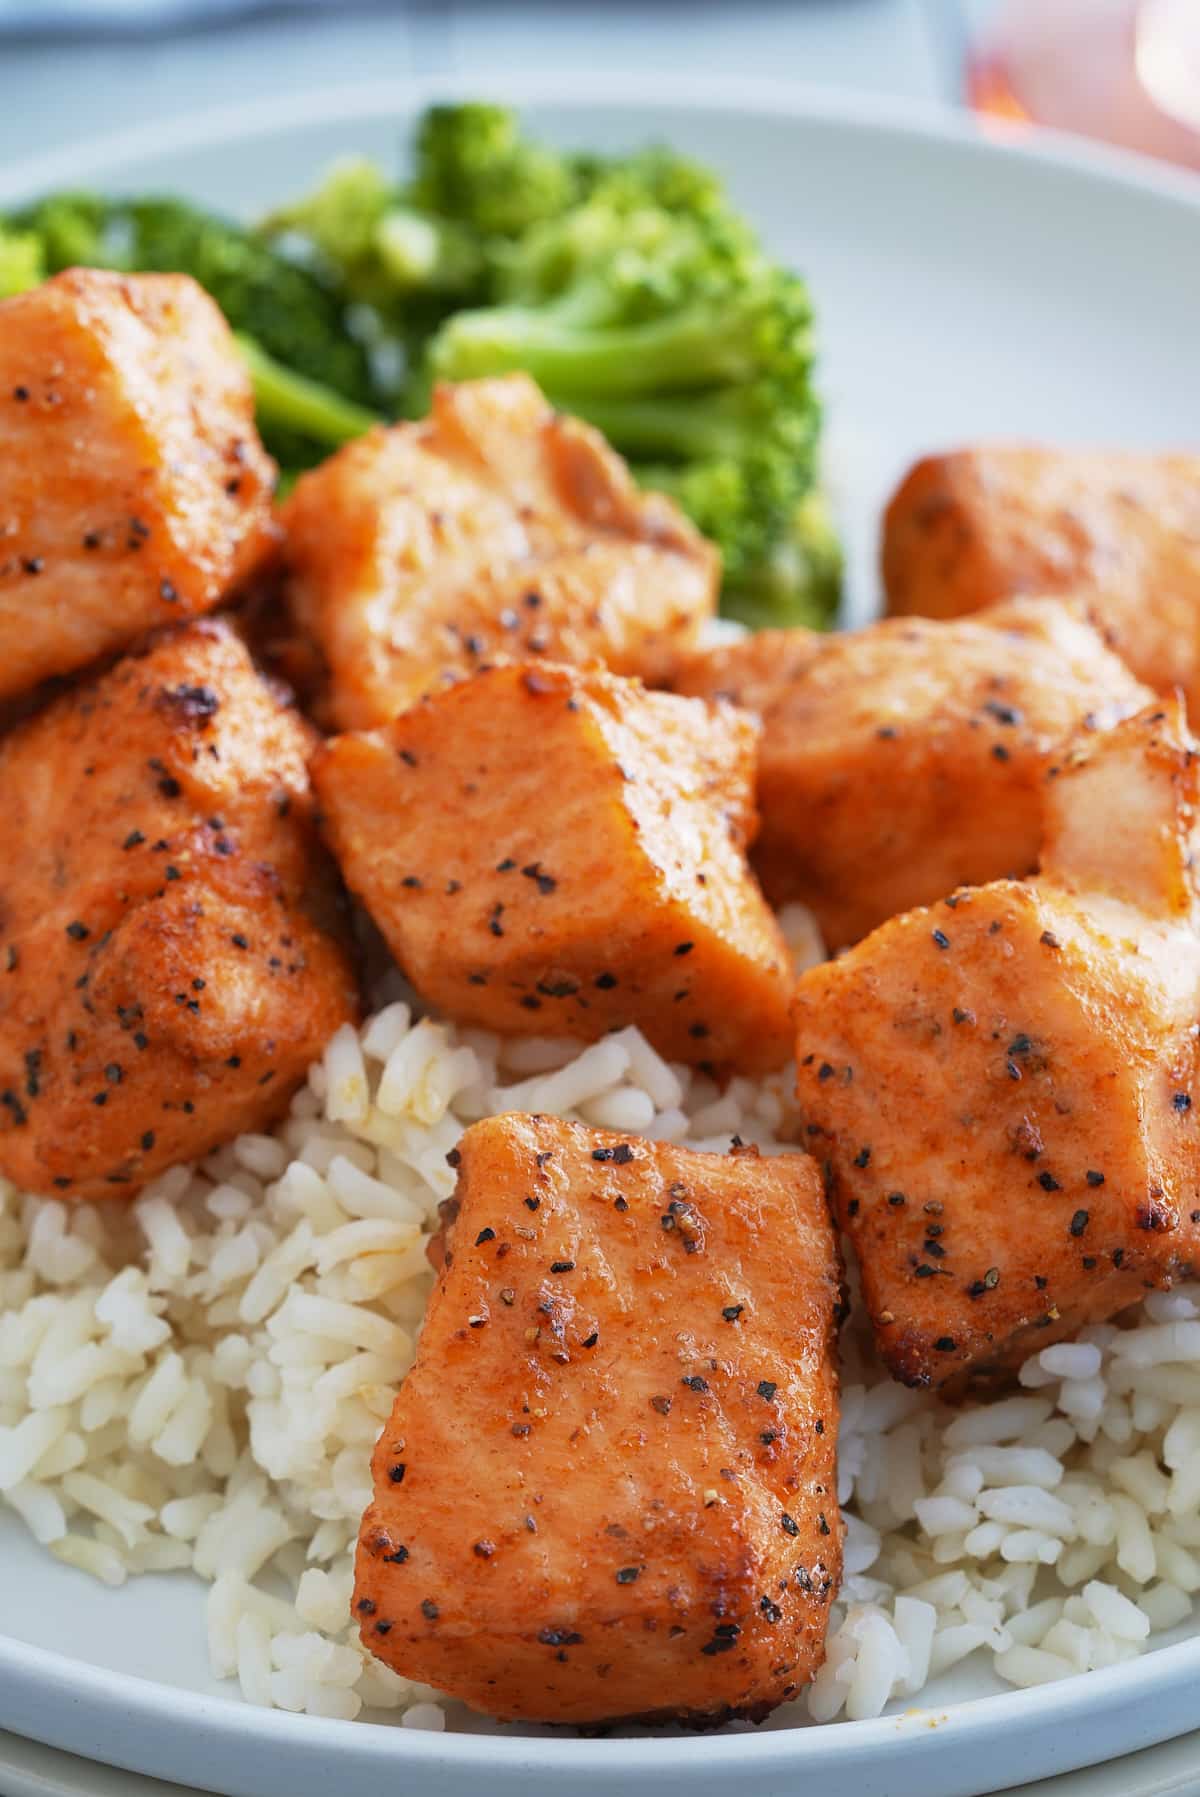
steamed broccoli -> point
(650, 309)
(413, 253)
(473, 166)
(383, 248)
(297, 316)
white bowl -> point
(965, 289)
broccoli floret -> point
(382, 248)
(297, 316)
(651, 310)
(474, 166)
(799, 579)
(71, 230)
(21, 263)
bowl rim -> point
(862, 111)
(28, 1674)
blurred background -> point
(1126, 70)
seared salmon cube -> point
(170, 961)
(903, 760)
(496, 530)
(134, 490)
(1004, 1087)
(607, 1488)
(552, 850)
(966, 529)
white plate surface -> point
(964, 290)
(29, 1769)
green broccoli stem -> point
(684, 428)
(292, 402)
(691, 349)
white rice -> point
(197, 1380)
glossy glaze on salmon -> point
(496, 530)
(903, 760)
(169, 959)
(607, 1488)
(134, 490)
(969, 528)
(550, 851)
(1003, 1087)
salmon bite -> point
(171, 957)
(1118, 529)
(550, 850)
(494, 530)
(134, 491)
(607, 1487)
(903, 760)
